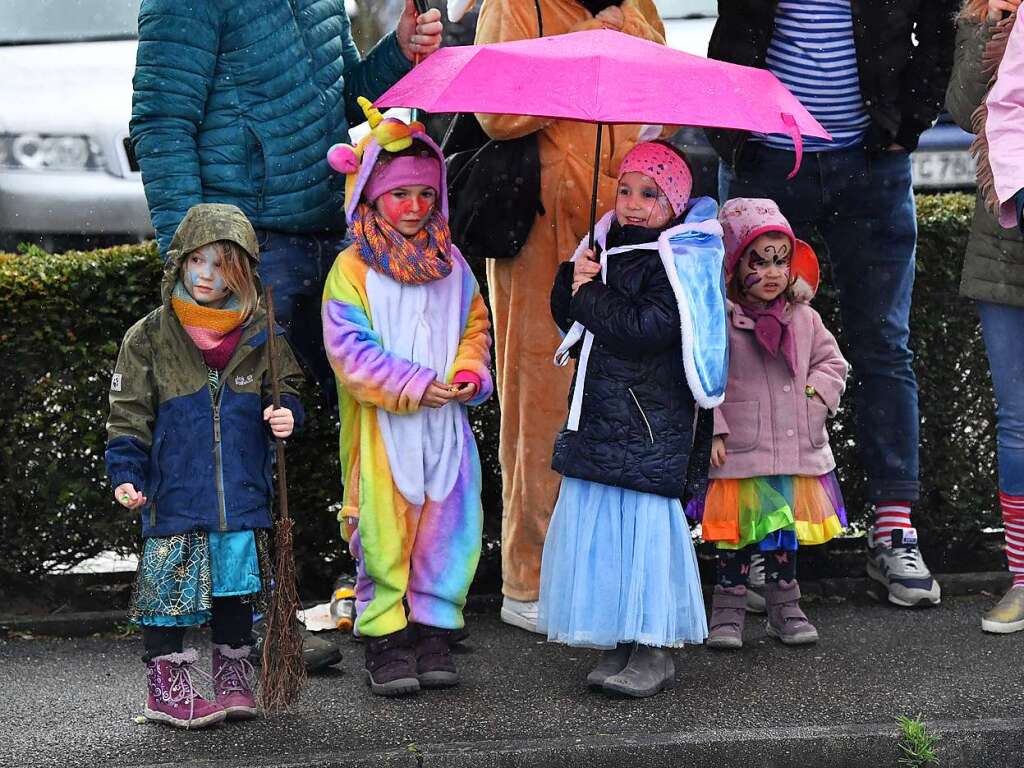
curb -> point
(964, 744)
(83, 624)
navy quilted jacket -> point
(639, 427)
(238, 102)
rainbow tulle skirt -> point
(776, 511)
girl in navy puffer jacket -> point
(619, 570)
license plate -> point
(943, 169)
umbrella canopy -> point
(603, 76)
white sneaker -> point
(901, 569)
(755, 601)
(519, 613)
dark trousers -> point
(230, 624)
(861, 205)
(296, 266)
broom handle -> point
(275, 389)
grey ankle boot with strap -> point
(785, 619)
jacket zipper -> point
(218, 459)
(642, 414)
(152, 514)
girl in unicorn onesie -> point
(408, 336)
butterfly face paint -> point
(763, 271)
(203, 277)
(407, 208)
(641, 203)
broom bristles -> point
(283, 671)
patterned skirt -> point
(179, 576)
(776, 511)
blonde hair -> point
(237, 267)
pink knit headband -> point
(403, 171)
(668, 170)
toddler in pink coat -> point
(772, 481)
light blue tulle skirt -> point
(619, 566)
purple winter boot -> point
(173, 698)
(728, 610)
(232, 672)
(785, 619)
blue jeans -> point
(1003, 329)
(296, 266)
(862, 205)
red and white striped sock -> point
(890, 515)
(1013, 520)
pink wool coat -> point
(1004, 127)
(769, 424)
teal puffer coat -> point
(238, 102)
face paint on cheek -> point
(751, 280)
(393, 208)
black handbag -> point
(493, 186)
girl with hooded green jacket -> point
(188, 445)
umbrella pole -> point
(597, 177)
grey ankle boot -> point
(612, 662)
(649, 671)
(728, 610)
(785, 619)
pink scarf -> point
(771, 329)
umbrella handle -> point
(597, 177)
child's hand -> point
(129, 498)
(612, 18)
(717, 452)
(465, 391)
(996, 8)
(585, 269)
(281, 421)
(436, 396)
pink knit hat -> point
(668, 170)
(743, 220)
(403, 171)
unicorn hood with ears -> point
(388, 135)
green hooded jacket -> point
(201, 458)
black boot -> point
(391, 664)
(435, 667)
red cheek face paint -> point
(394, 208)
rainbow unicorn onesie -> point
(399, 314)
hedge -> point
(64, 316)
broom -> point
(283, 672)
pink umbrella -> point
(604, 77)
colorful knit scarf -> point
(423, 258)
(215, 331)
(771, 329)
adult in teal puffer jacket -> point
(238, 102)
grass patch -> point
(916, 744)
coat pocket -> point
(817, 414)
(256, 164)
(744, 422)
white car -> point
(65, 167)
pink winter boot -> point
(173, 698)
(231, 674)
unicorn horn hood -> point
(387, 135)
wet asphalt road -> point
(72, 702)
